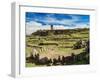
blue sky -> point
(35, 21)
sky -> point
(41, 21)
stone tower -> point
(51, 27)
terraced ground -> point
(53, 45)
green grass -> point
(65, 43)
(30, 65)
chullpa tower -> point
(51, 30)
(51, 27)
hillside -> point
(54, 43)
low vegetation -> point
(57, 47)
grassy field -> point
(53, 45)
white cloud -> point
(33, 26)
(81, 25)
(59, 27)
(53, 20)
